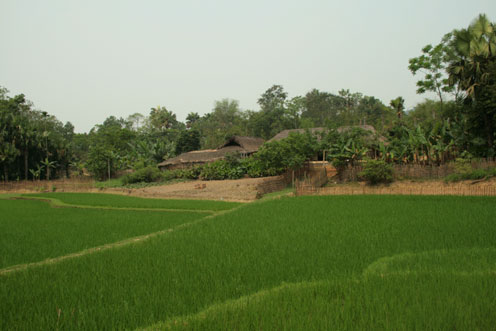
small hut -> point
(245, 146)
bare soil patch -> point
(242, 190)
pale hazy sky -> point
(83, 61)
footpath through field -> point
(150, 205)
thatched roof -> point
(284, 134)
(365, 127)
(249, 144)
(236, 144)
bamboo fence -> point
(462, 190)
(59, 185)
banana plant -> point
(48, 165)
(36, 173)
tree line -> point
(460, 71)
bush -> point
(221, 169)
(471, 175)
(463, 166)
(377, 171)
(189, 173)
(252, 167)
(453, 178)
(147, 175)
(478, 174)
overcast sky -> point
(83, 61)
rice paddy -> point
(340, 262)
(120, 201)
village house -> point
(245, 146)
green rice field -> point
(306, 263)
(32, 231)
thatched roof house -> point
(236, 144)
(247, 145)
(284, 134)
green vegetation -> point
(475, 174)
(32, 231)
(371, 303)
(147, 175)
(460, 71)
(111, 183)
(120, 201)
(398, 262)
(377, 171)
(465, 171)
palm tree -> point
(398, 105)
(475, 48)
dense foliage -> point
(460, 71)
(377, 171)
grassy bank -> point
(120, 201)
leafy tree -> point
(371, 110)
(294, 109)
(275, 157)
(322, 106)
(191, 119)
(224, 121)
(136, 120)
(102, 161)
(432, 64)
(188, 141)
(270, 119)
(163, 119)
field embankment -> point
(239, 190)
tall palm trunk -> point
(5, 172)
(26, 154)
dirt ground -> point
(242, 190)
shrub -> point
(252, 167)
(189, 173)
(471, 175)
(147, 175)
(478, 174)
(377, 171)
(221, 169)
(453, 178)
(463, 166)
